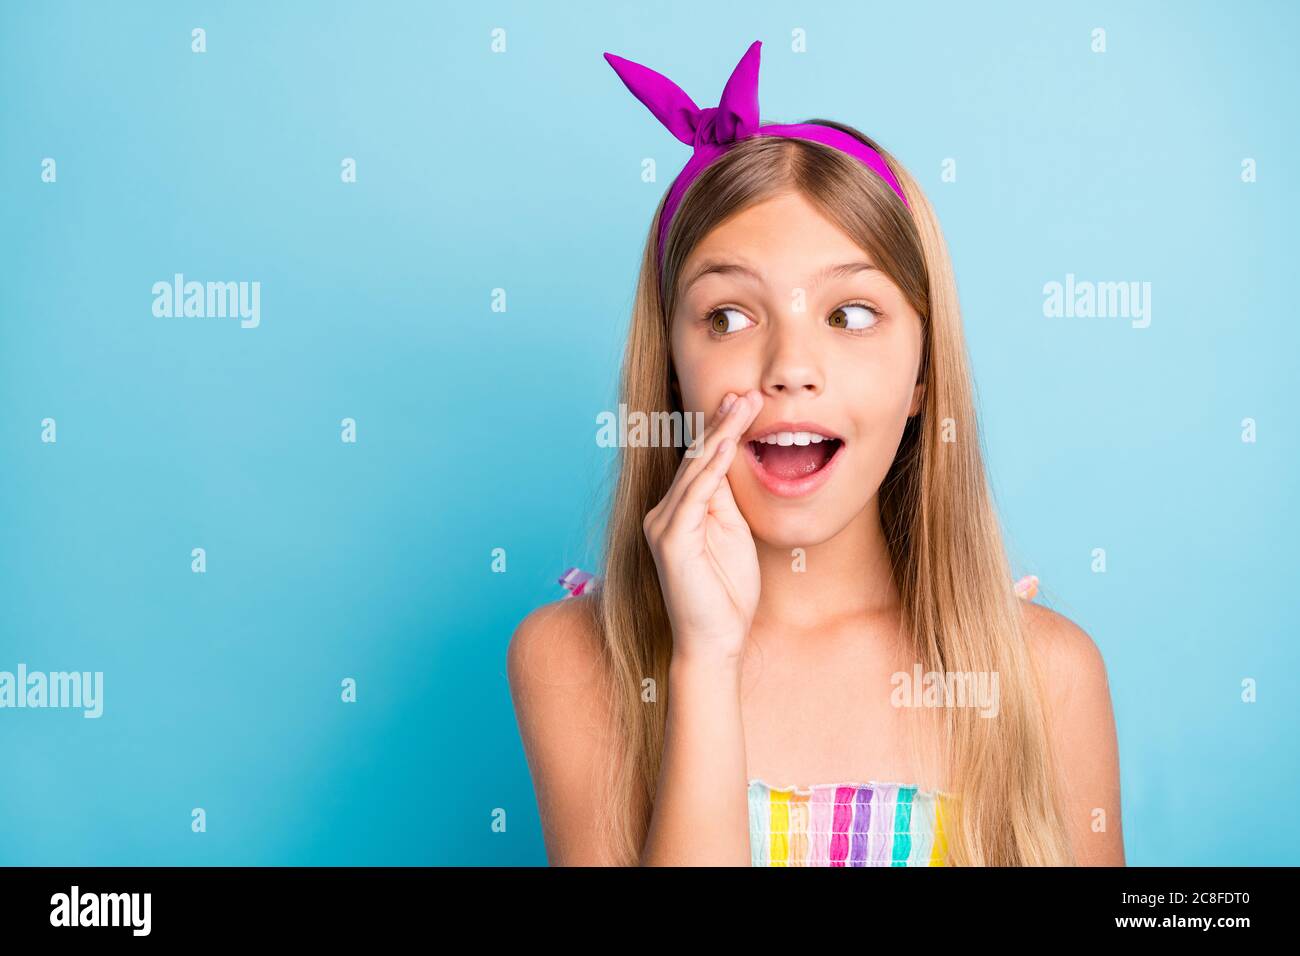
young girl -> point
(805, 647)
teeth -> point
(792, 438)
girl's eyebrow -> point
(714, 267)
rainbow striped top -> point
(841, 824)
(847, 824)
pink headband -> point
(711, 131)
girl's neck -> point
(847, 576)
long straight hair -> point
(960, 613)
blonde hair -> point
(960, 613)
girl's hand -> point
(705, 555)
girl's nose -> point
(791, 369)
(791, 381)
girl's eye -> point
(853, 317)
(725, 321)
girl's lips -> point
(793, 487)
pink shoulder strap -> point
(576, 581)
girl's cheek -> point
(703, 376)
(881, 400)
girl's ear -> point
(917, 394)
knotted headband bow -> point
(711, 131)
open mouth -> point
(794, 455)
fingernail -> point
(727, 402)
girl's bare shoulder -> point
(1076, 688)
(1083, 732)
(1066, 653)
(567, 723)
(556, 645)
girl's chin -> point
(789, 530)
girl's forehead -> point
(775, 236)
(790, 210)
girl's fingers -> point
(693, 506)
(701, 444)
(659, 515)
(723, 506)
(729, 424)
(698, 455)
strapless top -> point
(841, 824)
(847, 824)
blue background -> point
(476, 428)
